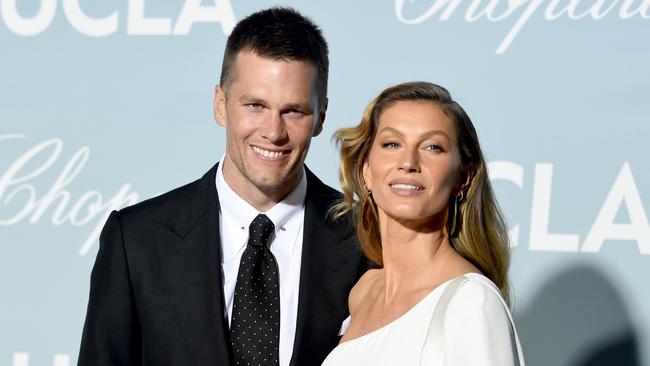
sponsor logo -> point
(521, 11)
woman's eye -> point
(390, 145)
(433, 147)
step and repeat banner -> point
(106, 103)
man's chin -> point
(274, 185)
(270, 184)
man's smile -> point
(270, 154)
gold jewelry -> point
(455, 220)
(367, 208)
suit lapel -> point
(189, 249)
(190, 252)
(330, 260)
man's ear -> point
(219, 106)
(320, 119)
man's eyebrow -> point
(250, 99)
(305, 108)
(423, 136)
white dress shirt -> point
(288, 216)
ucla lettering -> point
(137, 22)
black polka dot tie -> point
(255, 325)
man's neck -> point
(261, 199)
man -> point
(243, 266)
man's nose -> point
(274, 129)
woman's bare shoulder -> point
(362, 288)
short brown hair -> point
(278, 33)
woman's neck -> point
(412, 255)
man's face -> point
(270, 111)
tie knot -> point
(260, 231)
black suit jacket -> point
(156, 294)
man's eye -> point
(390, 145)
(254, 106)
(295, 113)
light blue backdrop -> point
(106, 103)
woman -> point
(428, 219)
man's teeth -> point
(266, 153)
(405, 186)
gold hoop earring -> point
(453, 229)
(367, 210)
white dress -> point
(463, 321)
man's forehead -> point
(253, 71)
(250, 51)
(250, 56)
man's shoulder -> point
(179, 201)
(317, 189)
(321, 199)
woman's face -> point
(414, 163)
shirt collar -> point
(281, 214)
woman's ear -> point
(367, 176)
(466, 176)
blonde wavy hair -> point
(479, 233)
